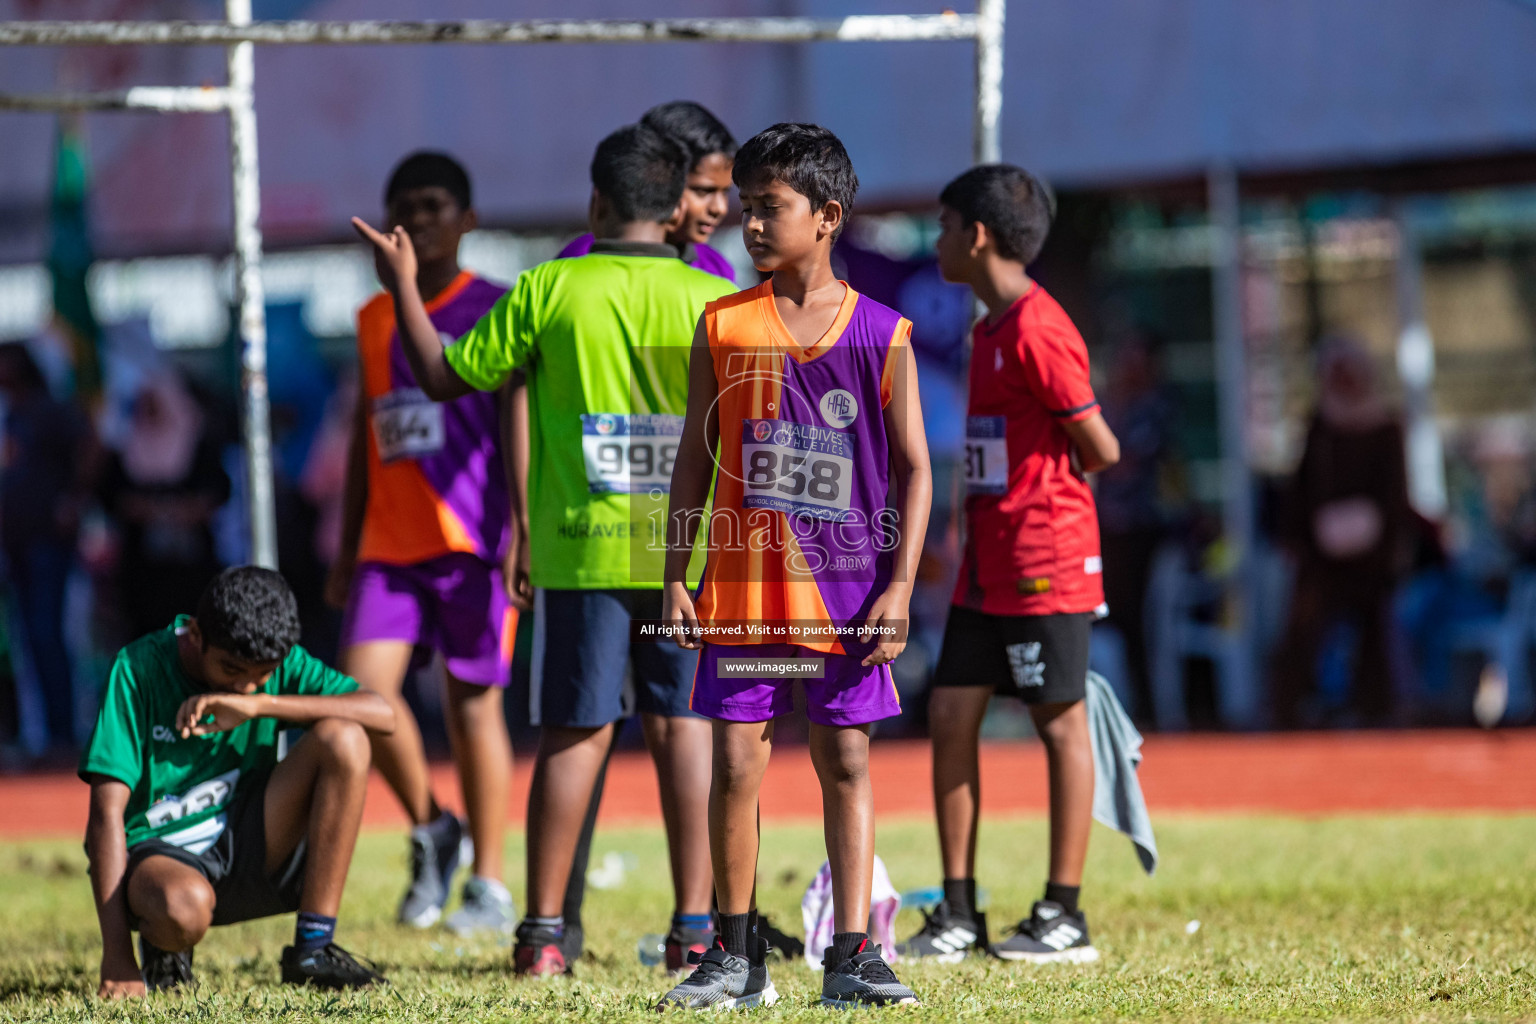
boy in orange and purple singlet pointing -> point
(426, 534)
(807, 391)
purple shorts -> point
(737, 683)
(454, 604)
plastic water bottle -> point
(925, 899)
(652, 949)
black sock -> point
(960, 894)
(311, 931)
(1066, 895)
(735, 934)
(846, 944)
(752, 931)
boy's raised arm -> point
(914, 495)
(395, 260)
(690, 484)
(106, 844)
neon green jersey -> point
(180, 788)
(605, 341)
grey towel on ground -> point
(1117, 799)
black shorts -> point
(1040, 659)
(236, 864)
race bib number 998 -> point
(629, 453)
(797, 468)
(986, 455)
(407, 425)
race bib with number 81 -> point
(629, 453)
(797, 468)
(986, 455)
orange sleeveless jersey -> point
(407, 519)
(756, 570)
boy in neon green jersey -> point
(604, 341)
(194, 822)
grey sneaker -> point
(486, 909)
(435, 852)
(1049, 935)
(864, 979)
(721, 981)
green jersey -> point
(181, 788)
(605, 339)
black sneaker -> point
(864, 979)
(573, 941)
(778, 941)
(946, 937)
(721, 981)
(682, 943)
(540, 951)
(1049, 935)
(330, 966)
(164, 972)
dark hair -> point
(249, 612)
(1015, 206)
(688, 124)
(640, 172)
(806, 157)
(425, 169)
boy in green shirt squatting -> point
(194, 821)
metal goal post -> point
(238, 34)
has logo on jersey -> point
(761, 429)
(839, 408)
(163, 734)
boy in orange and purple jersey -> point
(806, 390)
(426, 536)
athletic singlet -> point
(436, 480)
(800, 532)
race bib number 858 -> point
(797, 468)
(629, 453)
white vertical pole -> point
(1416, 368)
(250, 296)
(989, 81)
(1239, 696)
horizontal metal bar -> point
(855, 28)
(168, 98)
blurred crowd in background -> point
(122, 485)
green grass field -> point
(1402, 918)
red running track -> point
(1298, 773)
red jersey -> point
(1032, 531)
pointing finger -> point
(367, 231)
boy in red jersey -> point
(1030, 583)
